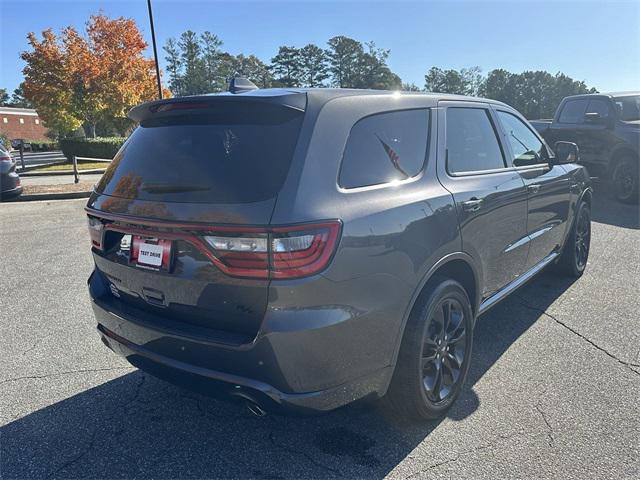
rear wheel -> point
(575, 254)
(435, 353)
(626, 180)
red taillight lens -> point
(96, 229)
(281, 252)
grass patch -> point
(69, 166)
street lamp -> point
(155, 50)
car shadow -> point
(137, 426)
(606, 209)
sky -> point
(594, 41)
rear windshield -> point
(232, 154)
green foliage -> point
(197, 65)
(4, 97)
(5, 141)
(18, 99)
(464, 82)
(101, 147)
(535, 94)
(287, 66)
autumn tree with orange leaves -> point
(74, 80)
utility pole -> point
(155, 50)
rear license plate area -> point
(151, 253)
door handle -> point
(472, 205)
(534, 188)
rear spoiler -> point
(177, 106)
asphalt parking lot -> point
(553, 389)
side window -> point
(526, 147)
(599, 106)
(385, 147)
(472, 144)
(573, 111)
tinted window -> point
(526, 147)
(598, 106)
(573, 111)
(628, 108)
(472, 144)
(231, 154)
(385, 147)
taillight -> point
(280, 252)
(241, 256)
(96, 228)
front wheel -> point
(575, 253)
(626, 180)
(435, 353)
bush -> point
(104, 147)
(4, 140)
(42, 146)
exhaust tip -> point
(255, 409)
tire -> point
(575, 252)
(414, 393)
(626, 180)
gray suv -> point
(306, 248)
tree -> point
(4, 97)
(81, 81)
(286, 66)
(313, 66)
(536, 94)
(18, 99)
(194, 80)
(344, 54)
(451, 81)
(410, 87)
(373, 71)
(252, 68)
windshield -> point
(235, 154)
(628, 108)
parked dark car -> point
(307, 248)
(606, 128)
(9, 180)
(16, 142)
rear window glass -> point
(385, 147)
(472, 144)
(231, 154)
(573, 111)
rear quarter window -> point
(237, 153)
(385, 147)
(573, 111)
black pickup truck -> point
(606, 128)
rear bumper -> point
(305, 370)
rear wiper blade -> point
(173, 187)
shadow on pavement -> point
(137, 426)
(607, 210)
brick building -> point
(21, 123)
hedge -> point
(42, 146)
(102, 147)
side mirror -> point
(566, 152)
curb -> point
(51, 196)
(61, 172)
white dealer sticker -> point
(150, 254)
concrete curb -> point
(51, 196)
(61, 172)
